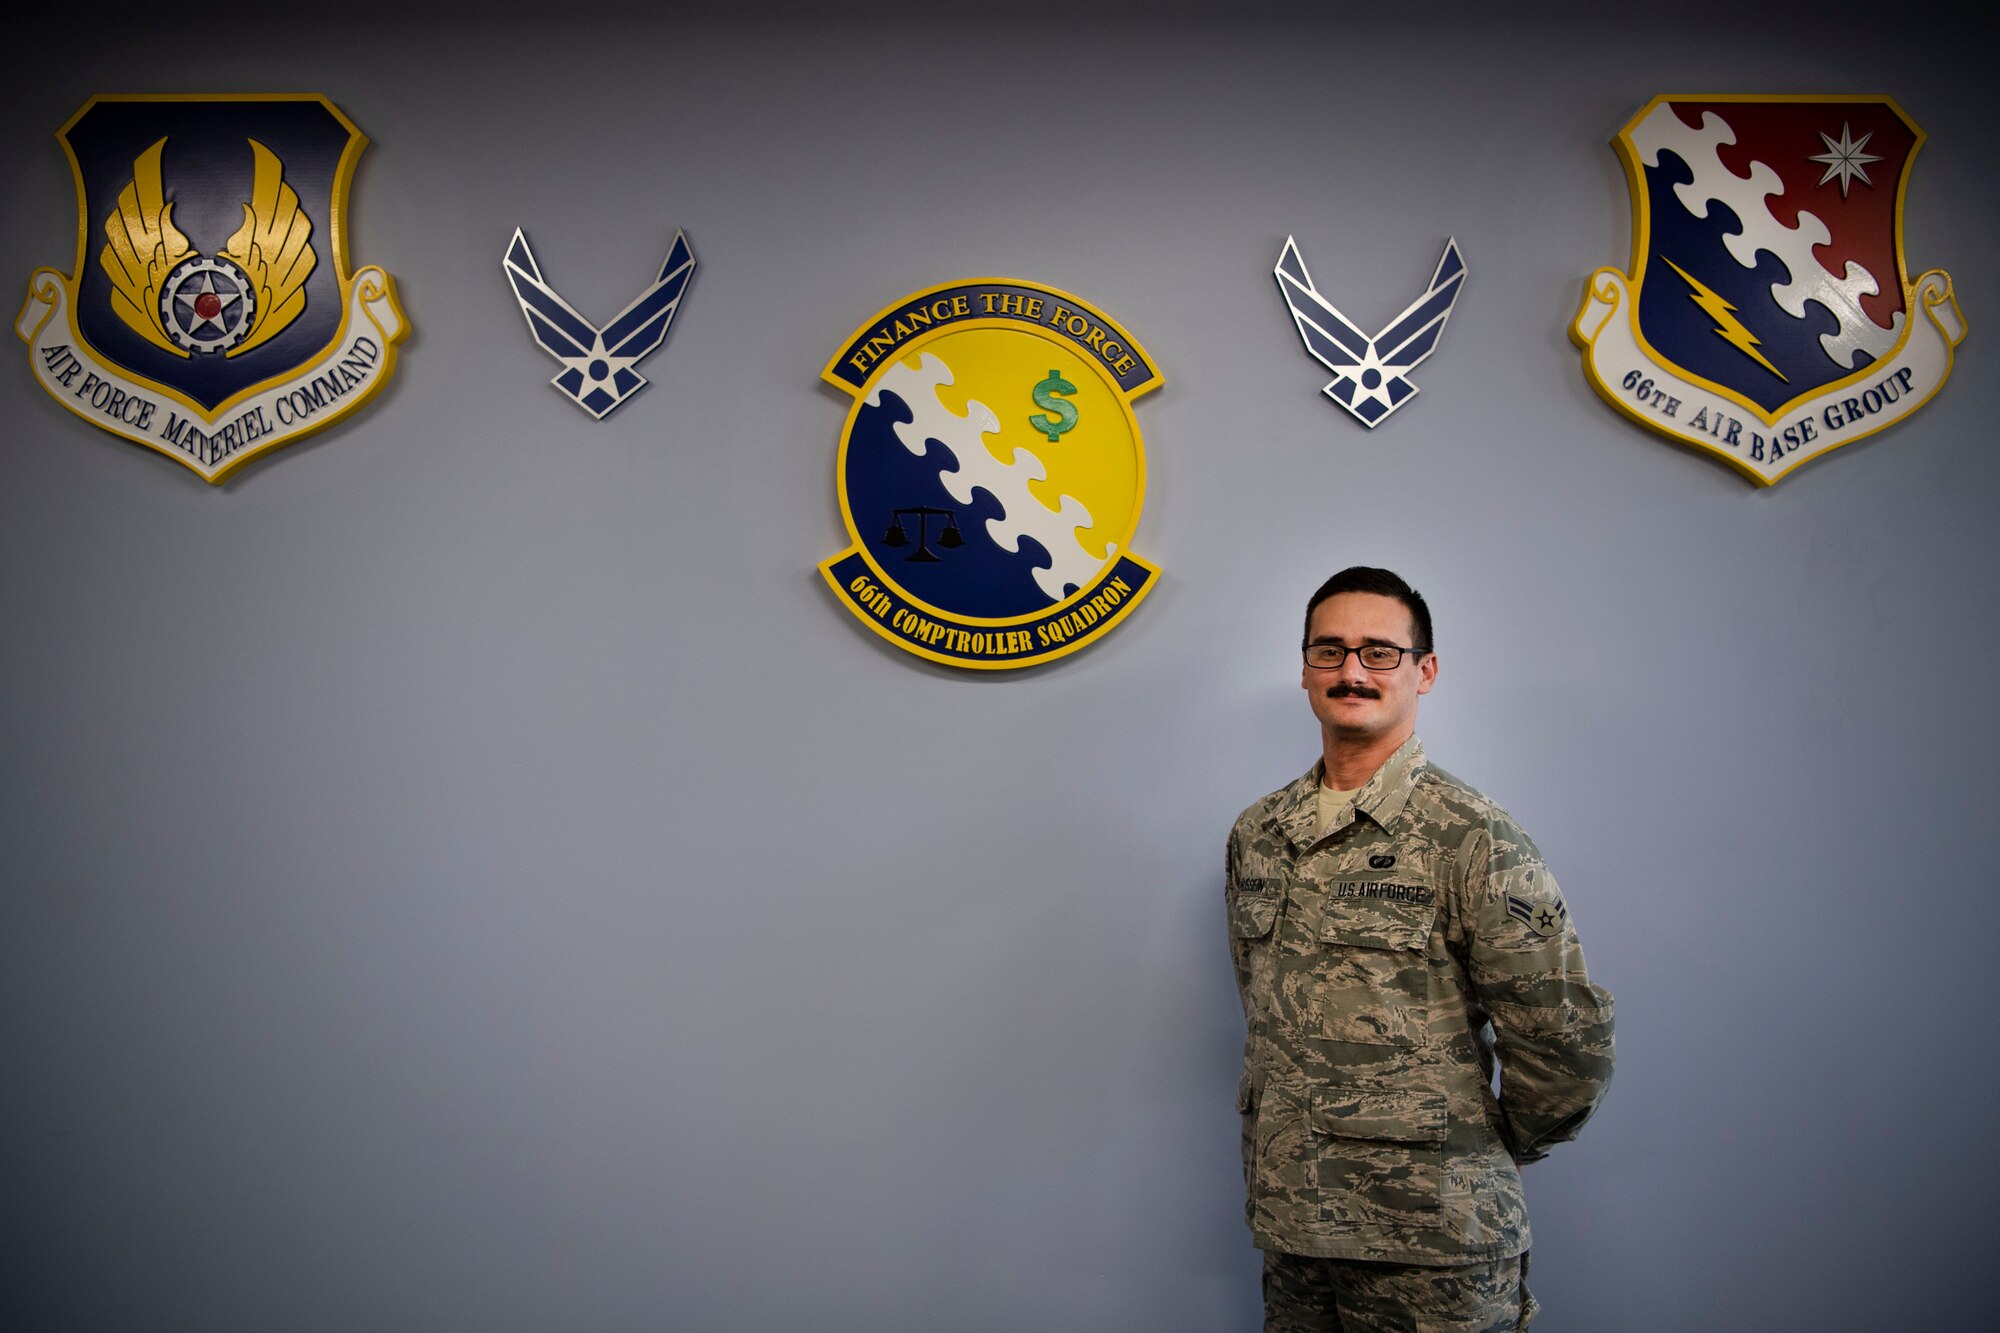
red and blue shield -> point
(1768, 294)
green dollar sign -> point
(1064, 421)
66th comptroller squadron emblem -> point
(1767, 317)
(991, 474)
(211, 315)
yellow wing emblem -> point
(274, 247)
(143, 244)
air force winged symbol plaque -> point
(598, 364)
(1371, 376)
(1767, 318)
(212, 316)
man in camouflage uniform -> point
(1395, 935)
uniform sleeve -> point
(1245, 1100)
(1237, 951)
(1552, 1025)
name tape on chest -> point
(1387, 890)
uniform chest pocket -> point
(1374, 973)
(1253, 908)
(1379, 914)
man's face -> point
(1350, 701)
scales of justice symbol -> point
(951, 538)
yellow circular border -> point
(847, 434)
(860, 396)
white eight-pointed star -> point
(1844, 158)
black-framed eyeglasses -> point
(1374, 656)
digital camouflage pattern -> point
(1384, 967)
(1304, 1295)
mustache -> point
(1346, 691)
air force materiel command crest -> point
(1371, 376)
(598, 364)
(991, 474)
(1767, 317)
(212, 316)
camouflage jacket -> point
(1384, 968)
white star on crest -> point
(191, 303)
(1844, 158)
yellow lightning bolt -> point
(1725, 319)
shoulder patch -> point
(1544, 919)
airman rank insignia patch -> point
(212, 316)
(991, 474)
(1768, 318)
(1544, 919)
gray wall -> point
(466, 872)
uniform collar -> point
(1381, 798)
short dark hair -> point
(1366, 578)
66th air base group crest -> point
(1768, 317)
(991, 474)
(211, 315)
